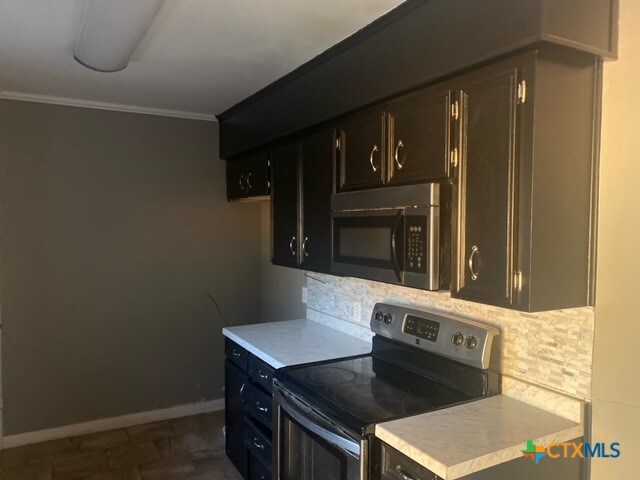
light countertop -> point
(294, 342)
(461, 440)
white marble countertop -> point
(461, 440)
(294, 342)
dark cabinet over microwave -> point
(405, 141)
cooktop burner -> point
(329, 376)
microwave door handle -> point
(394, 255)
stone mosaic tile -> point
(552, 349)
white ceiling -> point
(199, 57)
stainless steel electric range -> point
(325, 412)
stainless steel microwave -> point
(390, 235)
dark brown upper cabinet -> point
(284, 205)
(525, 196)
(302, 179)
(362, 144)
(403, 142)
(486, 246)
(420, 136)
(318, 153)
(248, 177)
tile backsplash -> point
(552, 349)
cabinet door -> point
(248, 176)
(317, 185)
(257, 175)
(420, 137)
(485, 203)
(235, 180)
(284, 205)
(362, 151)
(235, 381)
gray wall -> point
(113, 227)
(280, 287)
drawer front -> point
(396, 466)
(260, 372)
(257, 442)
(257, 404)
(258, 470)
(236, 354)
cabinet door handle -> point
(395, 155)
(374, 150)
(261, 408)
(403, 475)
(474, 251)
(263, 376)
(291, 243)
(236, 354)
(248, 183)
(241, 389)
(257, 444)
(240, 182)
(304, 247)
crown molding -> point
(117, 107)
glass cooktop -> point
(361, 391)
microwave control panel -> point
(416, 239)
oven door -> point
(308, 446)
(369, 244)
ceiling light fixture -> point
(111, 30)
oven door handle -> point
(394, 253)
(300, 414)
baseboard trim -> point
(123, 421)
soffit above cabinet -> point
(415, 44)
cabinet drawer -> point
(257, 441)
(236, 354)
(259, 470)
(257, 404)
(396, 466)
(260, 372)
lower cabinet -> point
(248, 412)
(389, 464)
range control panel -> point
(416, 235)
(458, 338)
(421, 327)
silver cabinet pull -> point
(263, 376)
(403, 475)
(291, 249)
(261, 408)
(375, 149)
(236, 354)
(474, 251)
(240, 182)
(395, 155)
(249, 186)
(304, 247)
(257, 444)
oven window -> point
(307, 457)
(376, 240)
